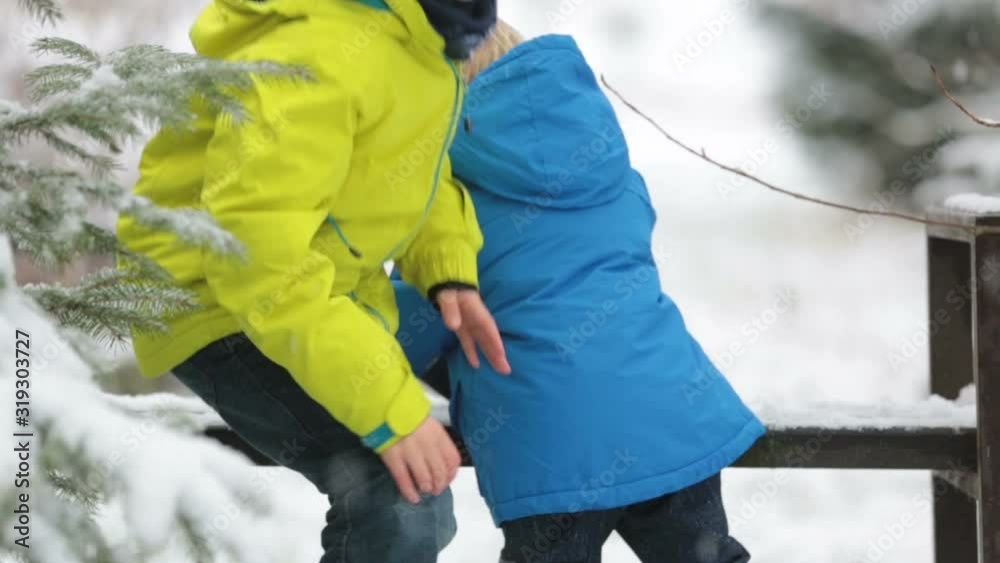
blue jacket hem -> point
(636, 491)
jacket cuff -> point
(433, 292)
(406, 412)
(453, 265)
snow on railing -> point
(973, 203)
(932, 412)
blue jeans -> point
(368, 520)
(688, 526)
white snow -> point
(103, 78)
(161, 406)
(196, 225)
(10, 107)
(933, 412)
(975, 203)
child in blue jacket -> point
(614, 418)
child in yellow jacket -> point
(323, 183)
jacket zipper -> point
(452, 126)
(343, 238)
(354, 297)
(459, 95)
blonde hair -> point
(502, 39)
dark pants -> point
(688, 526)
(368, 520)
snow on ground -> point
(797, 304)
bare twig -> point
(740, 172)
(980, 120)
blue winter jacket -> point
(612, 401)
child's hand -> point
(425, 460)
(466, 315)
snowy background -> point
(729, 251)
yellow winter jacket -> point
(325, 183)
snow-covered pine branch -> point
(42, 209)
(84, 108)
(169, 486)
(45, 10)
(165, 481)
(107, 305)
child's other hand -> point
(425, 461)
(466, 315)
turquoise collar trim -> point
(377, 4)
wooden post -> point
(951, 354)
(964, 324)
(986, 260)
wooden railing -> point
(964, 328)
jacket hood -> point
(226, 26)
(538, 128)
